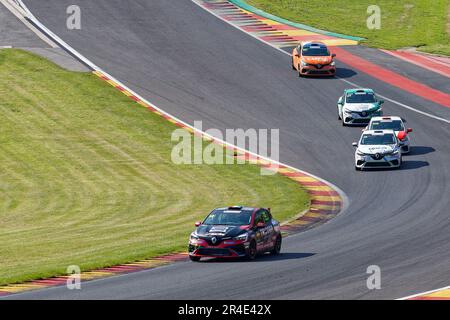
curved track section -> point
(197, 67)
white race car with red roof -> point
(393, 123)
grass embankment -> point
(405, 23)
(86, 176)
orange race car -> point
(313, 59)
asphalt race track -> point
(195, 66)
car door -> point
(340, 105)
(259, 232)
(297, 57)
(268, 230)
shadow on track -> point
(413, 164)
(420, 150)
(345, 73)
(265, 257)
(340, 73)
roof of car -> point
(237, 208)
(363, 90)
(378, 132)
(386, 118)
(314, 43)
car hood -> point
(361, 106)
(317, 60)
(374, 149)
(220, 231)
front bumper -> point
(360, 117)
(314, 70)
(226, 249)
(368, 161)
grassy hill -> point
(404, 23)
(86, 176)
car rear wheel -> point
(195, 259)
(252, 252)
(277, 247)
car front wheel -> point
(251, 253)
(277, 247)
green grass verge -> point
(86, 176)
(405, 23)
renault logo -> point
(378, 156)
(213, 240)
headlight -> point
(303, 64)
(347, 110)
(359, 153)
(241, 237)
(193, 236)
(333, 63)
(393, 153)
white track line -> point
(442, 73)
(16, 9)
(346, 81)
(423, 293)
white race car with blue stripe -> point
(358, 106)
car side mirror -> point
(355, 144)
(198, 223)
(333, 55)
(401, 135)
(381, 101)
(409, 130)
(260, 225)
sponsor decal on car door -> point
(259, 234)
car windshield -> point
(315, 51)
(377, 139)
(366, 97)
(229, 217)
(395, 125)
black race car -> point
(234, 232)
